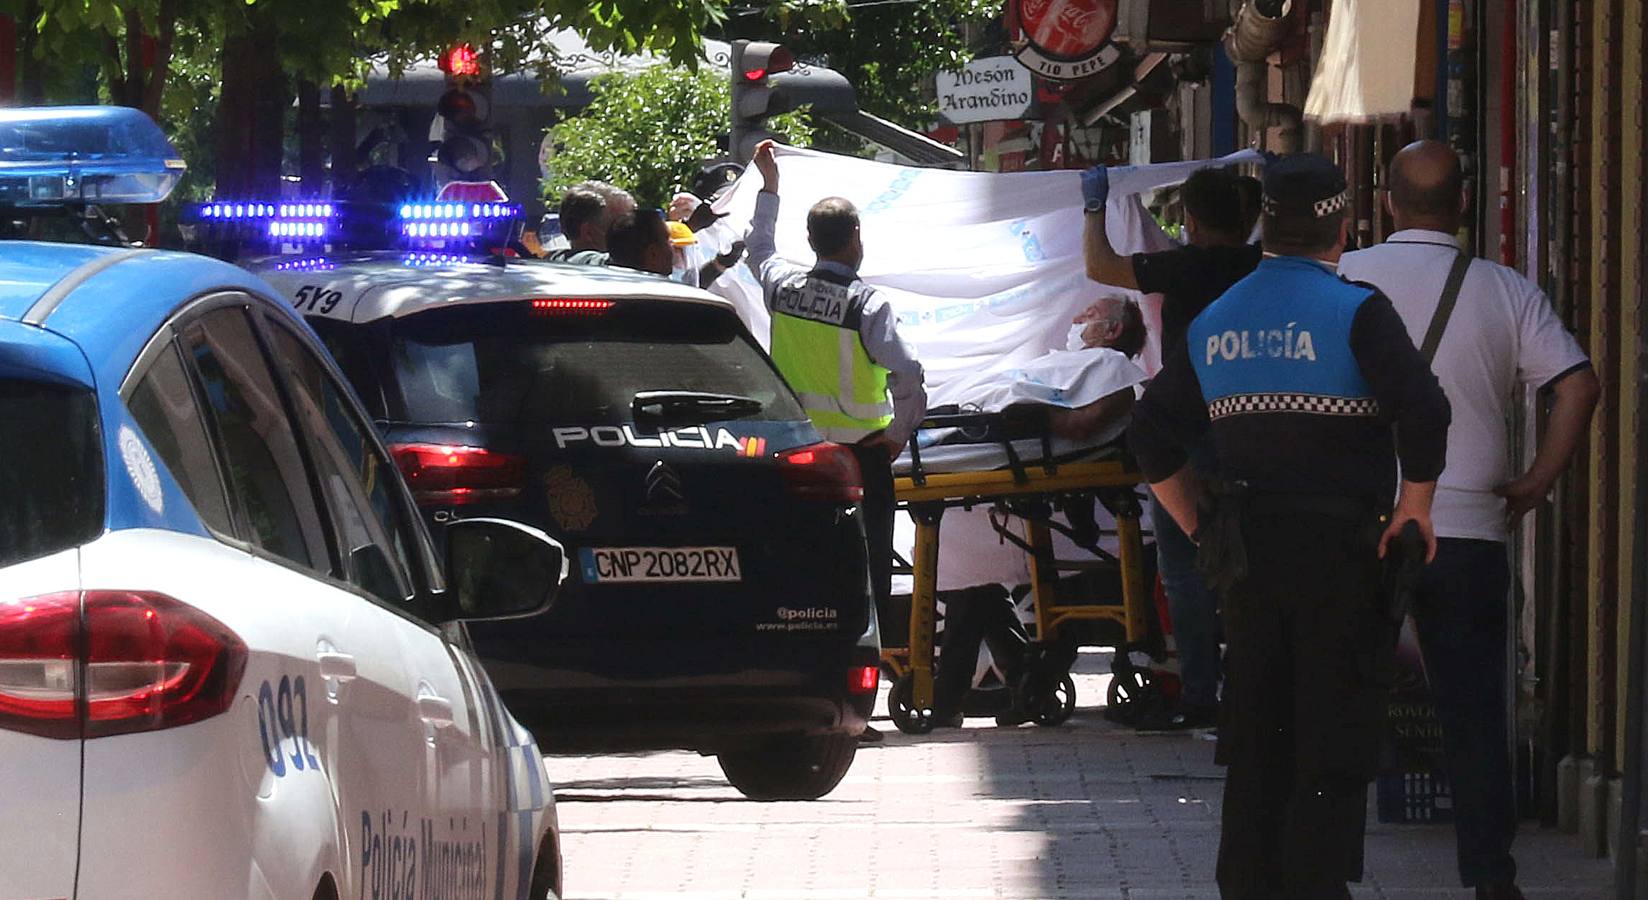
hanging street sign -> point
(993, 89)
(1063, 40)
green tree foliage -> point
(647, 132)
(233, 54)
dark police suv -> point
(719, 599)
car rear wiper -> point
(693, 406)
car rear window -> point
(51, 486)
(506, 363)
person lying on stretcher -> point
(1086, 392)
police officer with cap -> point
(1312, 393)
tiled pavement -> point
(1088, 810)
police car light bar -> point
(454, 222)
(296, 223)
(68, 155)
(435, 228)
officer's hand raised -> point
(767, 165)
(1095, 189)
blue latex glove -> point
(1095, 188)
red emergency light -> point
(461, 61)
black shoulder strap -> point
(1444, 308)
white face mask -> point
(1073, 340)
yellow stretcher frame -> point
(927, 498)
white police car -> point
(230, 665)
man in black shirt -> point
(1218, 219)
(1312, 391)
(1215, 256)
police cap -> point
(1304, 184)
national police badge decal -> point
(1063, 40)
(571, 499)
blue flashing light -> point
(449, 223)
(436, 212)
(306, 264)
(244, 211)
(424, 260)
(297, 231)
(62, 155)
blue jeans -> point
(1463, 615)
(1193, 606)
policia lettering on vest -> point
(1312, 393)
(836, 342)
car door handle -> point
(436, 711)
(336, 664)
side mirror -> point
(497, 569)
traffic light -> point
(464, 143)
(461, 62)
(754, 97)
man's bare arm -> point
(1083, 422)
(1575, 399)
(1104, 264)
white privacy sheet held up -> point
(984, 268)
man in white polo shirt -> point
(1500, 332)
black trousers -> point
(1462, 610)
(977, 615)
(1304, 705)
(878, 507)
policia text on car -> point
(1312, 391)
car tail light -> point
(822, 472)
(101, 663)
(863, 679)
(448, 476)
(545, 306)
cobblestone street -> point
(1089, 810)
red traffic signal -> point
(758, 59)
(461, 61)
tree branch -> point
(132, 94)
(154, 87)
(113, 69)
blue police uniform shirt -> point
(1281, 342)
(1308, 383)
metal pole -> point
(1628, 860)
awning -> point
(1368, 62)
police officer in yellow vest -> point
(836, 342)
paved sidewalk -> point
(1088, 810)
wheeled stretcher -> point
(1028, 484)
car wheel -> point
(790, 768)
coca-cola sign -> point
(1064, 40)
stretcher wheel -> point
(1129, 695)
(908, 719)
(1058, 704)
